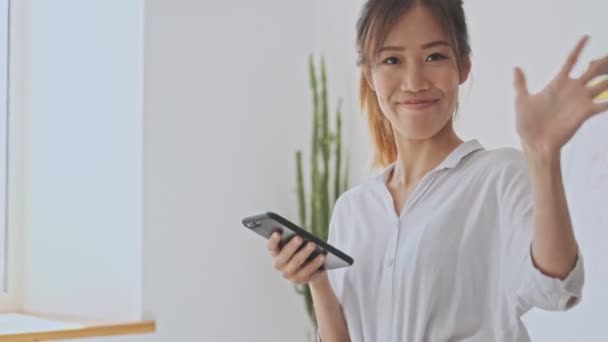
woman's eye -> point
(435, 57)
(391, 60)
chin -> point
(418, 130)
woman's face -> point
(416, 77)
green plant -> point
(326, 147)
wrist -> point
(541, 155)
(319, 282)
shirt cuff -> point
(553, 293)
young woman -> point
(452, 242)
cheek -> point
(448, 83)
(386, 84)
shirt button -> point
(390, 263)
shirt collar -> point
(450, 162)
(463, 150)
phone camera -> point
(252, 224)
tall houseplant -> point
(327, 180)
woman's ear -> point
(465, 69)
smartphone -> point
(267, 223)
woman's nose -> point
(414, 79)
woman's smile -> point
(417, 104)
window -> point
(4, 32)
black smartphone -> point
(267, 223)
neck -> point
(415, 158)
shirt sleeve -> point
(525, 283)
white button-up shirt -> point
(455, 265)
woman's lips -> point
(422, 104)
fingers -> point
(287, 252)
(520, 83)
(306, 273)
(298, 260)
(573, 57)
(273, 243)
(595, 69)
(599, 108)
(597, 89)
(291, 260)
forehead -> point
(414, 28)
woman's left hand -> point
(546, 121)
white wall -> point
(83, 158)
(226, 104)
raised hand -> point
(547, 120)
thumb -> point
(521, 87)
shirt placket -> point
(386, 290)
(388, 275)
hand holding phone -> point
(294, 260)
(268, 223)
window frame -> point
(16, 109)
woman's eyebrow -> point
(423, 46)
(435, 43)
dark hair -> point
(375, 22)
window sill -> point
(25, 327)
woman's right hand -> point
(291, 262)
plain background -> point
(152, 127)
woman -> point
(452, 242)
